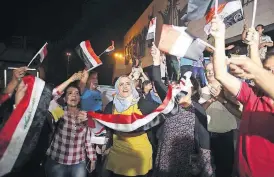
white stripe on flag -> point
(182, 43)
(85, 50)
(229, 9)
(13, 150)
(135, 125)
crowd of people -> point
(232, 99)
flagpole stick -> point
(216, 7)
(102, 53)
(36, 54)
(206, 44)
(254, 13)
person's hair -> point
(145, 83)
(139, 81)
(269, 55)
(134, 62)
(93, 73)
(260, 26)
(196, 93)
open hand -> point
(217, 28)
(215, 91)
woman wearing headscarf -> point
(131, 153)
(184, 145)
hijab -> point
(121, 104)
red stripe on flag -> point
(7, 131)
(168, 38)
(45, 50)
(129, 119)
(92, 53)
(209, 16)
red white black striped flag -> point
(20, 133)
(87, 54)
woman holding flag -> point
(184, 146)
(131, 152)
(70, 146)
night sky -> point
(65, 23)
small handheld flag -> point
(178, 42)
(42, 53)
(152, 29)
(110, 48)
(87, 54)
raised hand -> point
(76, 76)
(243, 68)
(155, 53)
(82, 116)
(19, 73)
(217, 28)
(215, 91)
(252, 37)
(84, 75)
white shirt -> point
(219, 119)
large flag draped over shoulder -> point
(230, 12)
(20, 133)
(178, 42)
(87, 54)
(129, 123)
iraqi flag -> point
(20, 134)
(230, 12)
(43, 52)
(110, 48)
(178, 42)
(87, 54)
(152, 29)
(136, 122)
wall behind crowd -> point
(159, 9)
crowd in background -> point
(227, 99)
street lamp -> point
(68, 54)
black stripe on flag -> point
(83, 56)
(233, 18)
(33, 136)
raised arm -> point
(250, 70)
(63, 86)
(156, 73)
(83, 81)
(231, 83)
(253, 40)
(16, 76)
